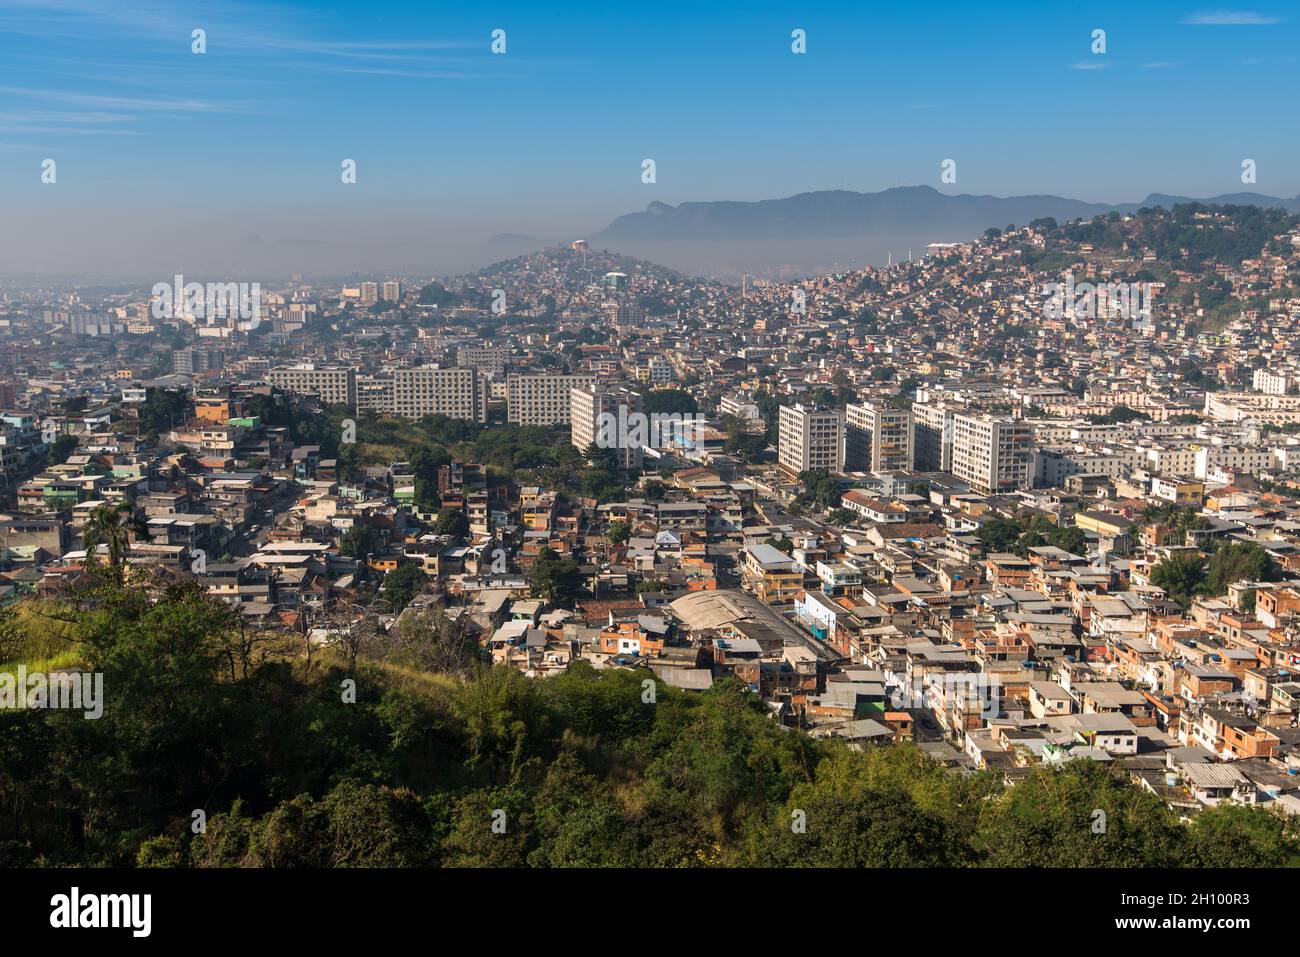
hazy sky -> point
(168, 161)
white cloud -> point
(1230, 18)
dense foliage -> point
(528, 455)
(588, 768)
(1184, 575)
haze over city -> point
(230, 160)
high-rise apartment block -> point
(411, 393)
(333, 385)
(932, 436)
(430, 390)
(375, 393)
(196, 358)
(489, 359)
(604, 417)
(877, 437)
(1271, 383)
(992, 454)
(542, 399)
(810, 438)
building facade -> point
(810, 439)
(542, 399)
(878, 438)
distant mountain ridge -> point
(910, 210)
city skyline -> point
(726, 437)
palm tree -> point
(107, 525)
(1181, 575)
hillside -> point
(591, 768)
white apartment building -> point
(542, 399)
(992, 454)
(1171, 459)
(810, 439)
(1240, 406)
(1271, 383)
(598, 415)
(375, 393)
(1055, 464)
(429, 390)
(1233, 458)
(877, 438)
(932, 437)
(333, 385)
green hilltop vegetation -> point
(577, 770)
(1180, 235)
(1182, 239)
(540, 455)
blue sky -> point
(453, 141)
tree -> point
(451, 521)
(424, 466)
(1233, 835)
(603, 479)
(554, 579)
(1030, 539)
(348, 465)
(742, 439)
(669, 402)
(862, 828)
(356, 629)
(433, 641)
(107, 525)
(1177, 520)
(163, 409)
(1181, 575)
(473, 841)
(579, 822)
(1118, 415)
(820, 489)
(1238, 561)
(12, 636)
(1051, 819)
(401, 584)
(619, 532)
(1072, 539)
(782, 544)
(357, 542)
(999, 534)
(436, 294)
(63, 447)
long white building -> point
(542, 399)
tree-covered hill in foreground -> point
(493, 769)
